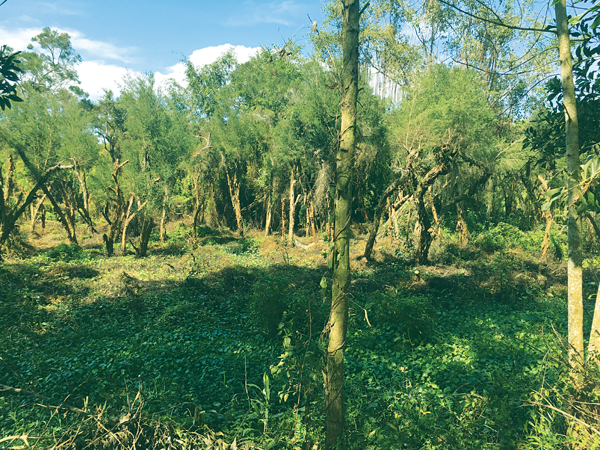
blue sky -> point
(114, 37)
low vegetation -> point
(218, 342)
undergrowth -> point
(221, 344)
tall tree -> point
(338, 319)
(574, 270)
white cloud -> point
(96, 76)
(205, 56)
(101, 49)
(20, 38)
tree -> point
(9, 72)
(53, 67)
(574, 270)
(158, 138)
(338, 319)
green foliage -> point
(68, 253)
(243, 246)
(505, 236)
(9, 71)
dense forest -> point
(369, 242)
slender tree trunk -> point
(574, 269)
(594, 342)
(422, 231)
(70, 205)
(338, 318)
(282, 216)
(234, 193)
(34, 211)
(147, 226)
(407, 228)
(292, 199)
(311, 219)
(547, 216)
(269, 215)
(59, 213)
(592, 221)
(394, 215)
(461, 226)
(163, 218)
(546, 241)
(197, 205)
(84, 209)
(126, 221)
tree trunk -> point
(293, 202)
(147, 226)
(119, 209)
(34, 210)
(311, 219)
(84, 209)
(547, 216)
(197, 205)
(269, 215)
(234, 193)
(574, 269)
(338, 318)
(8, 217)
(594, 342)
(461, 226)
(546, 242)
(59, 213)
(282, 217)
(163, 218)
(422, 231)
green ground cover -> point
(226, 336)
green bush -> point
(68, 253)
(243, 246)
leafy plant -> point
(68, 253)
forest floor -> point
(219, 341)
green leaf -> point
(323, 283)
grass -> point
(224, 335)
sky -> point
(116, 37)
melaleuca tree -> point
(266, 86)
(303, 148)
(446, 128)
(109, 127)
(79, 146)
(33, 132)
(157, 140)
(202, 98)
(52, 66)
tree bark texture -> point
(338, 318)
(234, 193)
(292, 208)
(574, 269)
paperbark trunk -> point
(338, 318)
(574, 269)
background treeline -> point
(472, 143)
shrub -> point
(68, 253)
